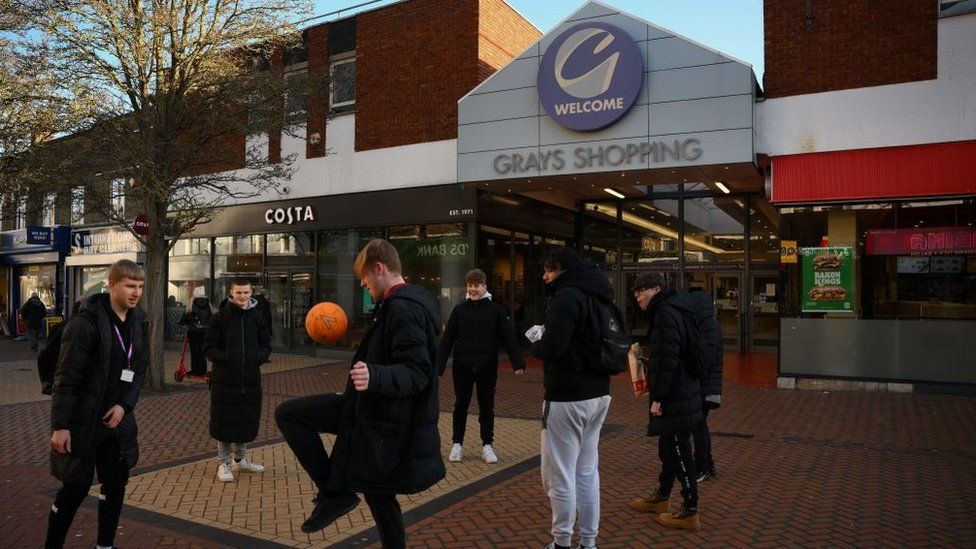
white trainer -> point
(456, 453)
(247, 466)
(489, 454)
(224, 473)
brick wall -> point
(502, 35)
(413, 62)
(274, 136)
(317, 104)
(847, 44)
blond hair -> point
(376, 251)
(125, 268)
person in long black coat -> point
(237, 342)
(102, 364)
(675, 401)
(387, 440)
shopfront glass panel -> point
(714, 232)
(91, 280)
(765, 310)
(236, 256)
(291, 249)
(338, 284)
(290, 294)
(764, 226)
(189, 268)
(40, 279)
(437, 258)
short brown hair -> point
(376, 251)
(125, 268)
(475, 276)
(239, 281)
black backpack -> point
(47, 360)
(703, 337)
(614, 343)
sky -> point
(733, 27)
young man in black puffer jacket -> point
(675, 400)
(474, 331)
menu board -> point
(828, 279)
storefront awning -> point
(936, 170)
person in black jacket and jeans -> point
(577, 396)
(675, 402)
(385, 422)
(101, 368)
(238, 343)
(475, 329)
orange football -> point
(326, 322)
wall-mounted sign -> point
(245, 263)
(590, 76)
(104, 241)
(141, 224)
(289, 216)
(787, 251)
(828, 279)
(623, 155)
(931, 241)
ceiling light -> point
(612, 192)
(721, 186)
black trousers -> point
(465, 381)
(300, 421)
(703, 443)
(112, 473)
(198, 361)
(678, 462)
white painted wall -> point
(931, 111)
(343, 170)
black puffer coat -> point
(237, 342)
(388, 439)
(473, 332)
(81, 381)
(198, 317)
(711, 332)
(668, 379)
(569, 343)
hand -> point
(61, 441)
(114, 415)
(655, 408)
(360, 376)
(520, 371)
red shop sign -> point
(922, 241)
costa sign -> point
(590, 76)
(289, 216)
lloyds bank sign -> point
(588, 79)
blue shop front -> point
(32, 260)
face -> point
(374, 280)
(476, 291)
(549, 275)
(125, 292)
(645, 296)
(240, 295)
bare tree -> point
(180, 87)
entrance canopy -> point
(607, 100)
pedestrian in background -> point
(476, 328)
(196, 319)
(33, 313)
(237, 342)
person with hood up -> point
(577, 395)
(196, 319)
(237, 343)
(385, 422)
(675, 401)
(33, 312)
(475, 329)
(101, 367)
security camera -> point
(285, 190)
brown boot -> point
(685, 519)
(654, 503)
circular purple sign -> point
(590, 76)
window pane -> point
(343, 83)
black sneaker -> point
(328, 509)
(706, 474)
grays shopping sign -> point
(590, 76)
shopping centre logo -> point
(590, 76)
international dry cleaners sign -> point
(589, 78)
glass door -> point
(725, 295)
(290, 294)
(765, 310)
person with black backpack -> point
(196, 319)
(675, 398)
(47, 359)
(577, 391)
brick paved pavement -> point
(804, 469)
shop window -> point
(436, 257)
(189, 268)
(337, 283)
(236, 256)
(764, 232)
(342, 84)
(713, 229)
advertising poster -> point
(828, 280)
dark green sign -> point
(828, 280)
